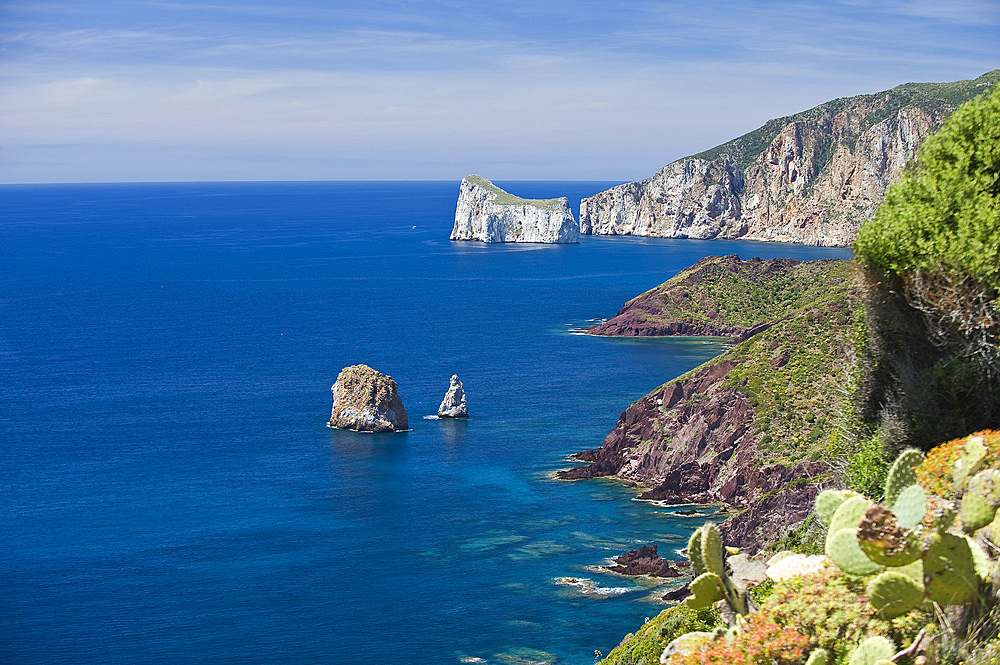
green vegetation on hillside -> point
(794, 372)
(504, 198)
(725, 291)
(916, 578)
(932, 257)
(935, 97)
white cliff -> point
(811, 178)
(487, 213)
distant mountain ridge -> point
(813, 177)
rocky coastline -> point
(710, 435)
(810, 178)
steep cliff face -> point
(692, 198)
(752, 428)
(487, 213)
(810, 178)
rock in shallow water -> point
(367, 401)
(453, 405)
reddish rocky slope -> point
(752, 428)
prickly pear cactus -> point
(882, 540)
(872, 650)
(902, 474)
(818, 656)
(849, 514)
(828, 501)
(971, 461)
(910, 507)
(950, 576)
(842, 539)
(711, 550)
(981, 500)
(842, 546)
(940, 514)
(694, 552)
(894, 593)
(706, 589)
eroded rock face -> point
(692, 441)
(810, 178)
(367, 401)
(453, 405)
(643, 561)
(487, 213)
(691, 198)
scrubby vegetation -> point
(935, 97)
(505, 198)
(727, 292)
(915, 576)
(931, 258)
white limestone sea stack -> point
(367, 401)
(487, 213)
(453, 405)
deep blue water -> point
(170, 490)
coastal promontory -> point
(367, 401)
(813, 177)
(487, 213)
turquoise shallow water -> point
(171, 491)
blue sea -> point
(171, 492)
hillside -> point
(813, 177)
(752, 428)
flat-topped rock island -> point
(489, 214)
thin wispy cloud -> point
(568, 90)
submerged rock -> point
(367, 401)
(487, 213)
(453, 405)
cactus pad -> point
(849, 514)
(706, 589)
(711, 550)
(950, 576)
(694, 552)
(902, 474)
(973, 456)
(910, 507)
(842, 547)
(818, 656)
(828, 501)
(872, 650)
(894, 594)
(981, 500)
(940, 514)
(882, 541)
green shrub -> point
(931, 256)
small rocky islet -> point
(366, 400)
(454, 404)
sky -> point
(176, 90)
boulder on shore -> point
(367, 401)
(453, 405)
